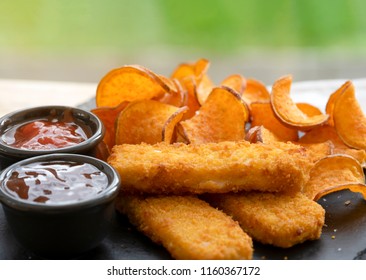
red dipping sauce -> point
(46, 134)
(56, 182)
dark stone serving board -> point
(343, 238)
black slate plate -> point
(343, 238)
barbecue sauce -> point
(56, 182)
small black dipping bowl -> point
(61, 230)
(10, 154)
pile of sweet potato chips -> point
(137, 105)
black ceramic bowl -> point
(95, 131)
(59, 229)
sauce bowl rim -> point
(93, 140)
(108, 194)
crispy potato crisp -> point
(287, 111)
(221, 118)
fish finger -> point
(187, 227)
(278, 219)
(214, 168)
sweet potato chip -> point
(186, 72)
(287, 111)
(188, 75)
(314, 151)
(349, 119)
(204, 88)
(196, 70)
(321, 134)
(252, 134)
(192, 101)
(262, 114)
(144, 121)
(255, 91)
(328, 133)
(169, 135)
(236, 82)
(108, 116)
(317, 151)
(261, 134)
(170, 83)
(359, 155)
(102, 151)
(333, 173)
(130, 83)
(332, 98)
(308, 109)
(176, 98)
(360, 188)
(221, 118)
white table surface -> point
(317, 92)
(20, 94)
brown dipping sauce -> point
(46, 134)
(57, 182)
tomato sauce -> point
(46, 134)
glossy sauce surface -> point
(46, 134)
(57, 182)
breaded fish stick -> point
(213, 167)
(277, 219)
(187, 227)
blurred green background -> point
(81, 40)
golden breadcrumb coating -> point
(213, 167)
(277, 219)
(187, 227)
